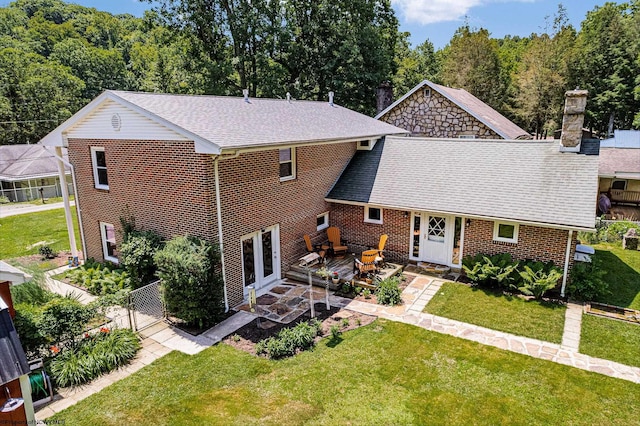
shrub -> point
(290, 340)
(32, 292)
(99, 279)
(608, 232)
(47, 252)
(94, 355)
(388, 291)
(335, 332)
(587, 281)
(538, 277)
(497, 271)
(191, 280)
(27, 322)
(136, 254)
(64, 319)
(4, 199)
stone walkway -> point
(287, 300)
(422, 289)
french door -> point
(260, 257)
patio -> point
(344, 267)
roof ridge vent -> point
(331, 98)
(245, 93)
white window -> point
(322, 221)
(372, 214)
(108, 233)
(505, 232)
(287, 164)
(99, 162)
(619, 184)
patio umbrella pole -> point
(311, 293)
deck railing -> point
(621, 196)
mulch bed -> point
(62, 259)
(246, 337)
(372, 297)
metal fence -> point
(145, 306)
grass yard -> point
(386, 373)
(623, 274)
(19, 233)
(538, 320)
(610, 339)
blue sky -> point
(437, 20)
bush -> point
(4, 199)
(290, 340)
(100, 279)
(608, 232)
(64, 319)
(137, 252)
(93, 356)
(27, 322)
(497, 271)
(47, 252)
(191, 280)
(32, 292)
(388, 291)
(538, 278)
(587, 281)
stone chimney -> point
(384, 96)
(573, 120)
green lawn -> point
(623, 275)
(19, 232)
(610, 339)
(387, 373)
(538, 320)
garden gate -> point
(145, 306)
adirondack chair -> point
(335, 243)
(381, 244)
(366, 264)
(315, 248)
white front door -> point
(260, 257)
(431, 238)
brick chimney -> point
(573, 120)
(384, 96)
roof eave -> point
(472, 216)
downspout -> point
(566, 263)
(220, 239)
(77, 201)
(67, 206)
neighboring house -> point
(619, 170)
(24, 169)
(255, 175)
(16, 407)
(436, 111)
(249, 174)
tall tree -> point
(472, 63)
(607, 65)
(414, 65)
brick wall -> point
(165, 186)
(360, 235)
(543, 244)
(435, 116)
(253, 198)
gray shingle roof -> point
(13, 362)
(474, 106)
(19, 162)
(527, 181)
(619, 161)
(230, 122)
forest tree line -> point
(56, 57)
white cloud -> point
(432, 11)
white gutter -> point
(67, 205)
(566, 264)
(220, 239)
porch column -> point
(67, 206)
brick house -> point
(248, 174)
(255, 175)
(437, 111)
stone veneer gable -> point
(435, 116)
